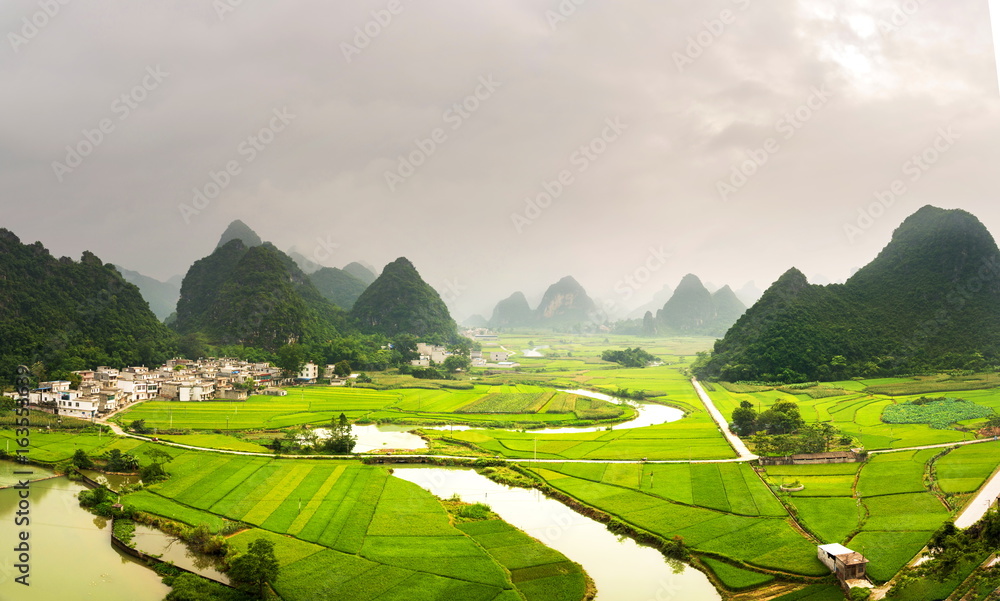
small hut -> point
(846, 564)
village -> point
(105, 390)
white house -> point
(310, 372)
(435, 353)
(192, 390)
(138, 390)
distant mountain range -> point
(693, 310)
(161, 296)
(564, 304)
(689, 310)
(929, 301)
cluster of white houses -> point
(105, 389)
(431, 354)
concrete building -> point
(846, 564)
(309, 373)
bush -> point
(860, 594)
(81, 460)
(476, 511)
(94, 497)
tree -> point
(455, 363)
(139, 426)
(816, 438)
(744, 420)
(291, 359)
(81, 460)
(342, 369)
(341, 440)
(121, 462)
(154, 472)
(255, 568)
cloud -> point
(750, 64)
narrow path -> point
(978, 506)
(734, 440)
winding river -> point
(390, 436)
(621, 568)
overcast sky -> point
(642, 109)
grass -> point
(319, 404)
(56, 446)
(815, 592)
(888, 552)
(215, 441)
(735, 578)
(966, 468)
(895, 473)
(768, 542)
(859, 410)
(537, 571)
(832, 519)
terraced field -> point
(882, 508)
(342, 529)
(699, 509)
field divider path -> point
(735, 441)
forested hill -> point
(256, 297)
(400, 302)
(72, 315)
(512, 312)
(338, 286)
(929, 301)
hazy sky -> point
(641, 109)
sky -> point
(498, 145)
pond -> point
(385, 436)
(170, 548)
(113, 481)
(621, 568)
(71, 556)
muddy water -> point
(70, 557)
(622, 569)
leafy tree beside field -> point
(781, 430)
(120, 462)
(256, 568)
(341, 440)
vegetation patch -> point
(735, 578)
(940, 412)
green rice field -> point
(766, 540)
(347, 528)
